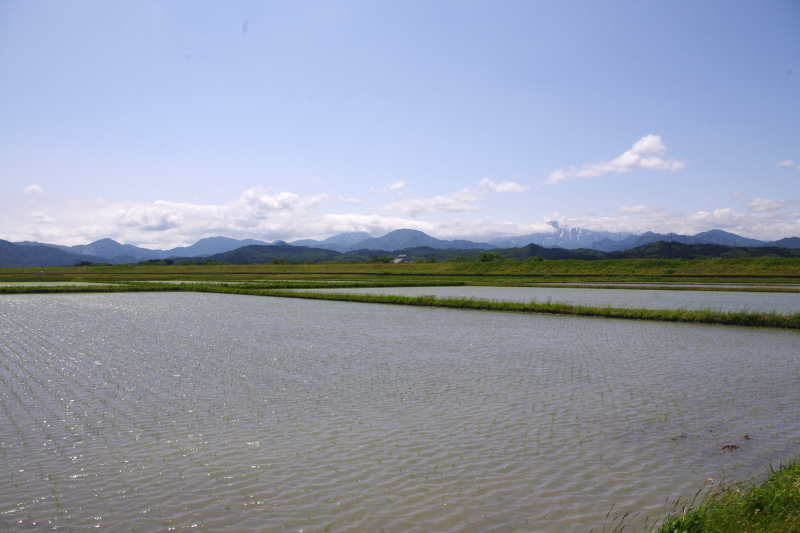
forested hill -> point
(658, 250)
(260, 254)
(13, 255)
(678, 250)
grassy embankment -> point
(733, 318)
(748, 270)
(769, 507)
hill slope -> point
(714, 236)
(15, 255)
(341, 242)
(788, 242)
(209, 246)
(261, 254)
(679, 250)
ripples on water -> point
(785, 303)
(156, 412)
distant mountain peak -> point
(412, 238)
(563, 237)
(410, 232)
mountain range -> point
(114, 252)
(562, 237)
(108, 250)
(715, 236)
(15, 255)
(248, 255)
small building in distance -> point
(400, 259)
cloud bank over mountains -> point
(259, 213)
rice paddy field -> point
(783, 303)
(201, 411)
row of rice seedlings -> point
(27, 396)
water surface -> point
(158, 412)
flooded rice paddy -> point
(172, 412)
(783, 303)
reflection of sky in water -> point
(174, 410)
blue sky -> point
(158, 123)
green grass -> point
(770, 507)
(748, 270)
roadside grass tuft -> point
(771, 507)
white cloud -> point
(762, 205)
(639, 209)
(457, 202)
(42, 218)
(259, 203)
(503, 186)
(348, 199)
(644, 154)
(413, 207)
(33, 189)
(148, 219)
(785, 163)
(738, 194)
(257, 214)
(397, 188)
